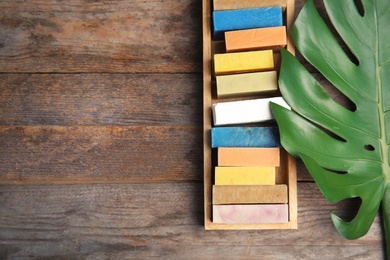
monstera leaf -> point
(345, 150)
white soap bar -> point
(246, 111)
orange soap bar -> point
(229, 156)
(255, 39)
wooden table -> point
(101, 141)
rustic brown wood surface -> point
(101, 141)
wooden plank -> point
(55, 154)
(145, 221)
(94, 36)
(100, 99)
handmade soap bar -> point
(250, 194)
(245, 111)
(244, 175)
(246, 84)
(229, 156)
(250, 214)
(229, 20)
(255, 39)
(245, 137)
(239, 62)
(244, 4)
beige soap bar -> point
(243, 4)
(244, 175)
(229, 156)
(240, 62)
(255, 39)
(246, 84)
(249, 194)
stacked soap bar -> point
(245, 137)
(248, 82)
(247, 68)
(245, 189)
(271, 37)
(239, 19)
(248, 158)
(245, 111)
(243, 4)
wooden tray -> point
(286, 173)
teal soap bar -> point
(229, 20)
(245, 137)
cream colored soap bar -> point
(250, 214)
(250, 194)
(245, 111)
(232, 156)
(255, 39)
(246, 84)
(244, 175)
(243, 4)
(239, 62)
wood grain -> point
(100, 36)
(110, 92)
(100, 99)
(145, 220)
(74, 154)
(83, 154)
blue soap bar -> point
(229, 20)
(245, 137)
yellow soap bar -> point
(250, 194)
(239, 62)
(244, 4)
(256, 39)
(246, 84)
(244, 175)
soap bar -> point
(255, 39)
(244, 175)
(229, 156)
(250, 194)
(246, 84)
(240, 62)
(230, 20)
(245, 111)
(250, 214)
(244, 4)
(245, 137)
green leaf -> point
(347, 152)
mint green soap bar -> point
(245, 137)
(239, 19)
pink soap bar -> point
(250, 214)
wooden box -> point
(286, 173)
